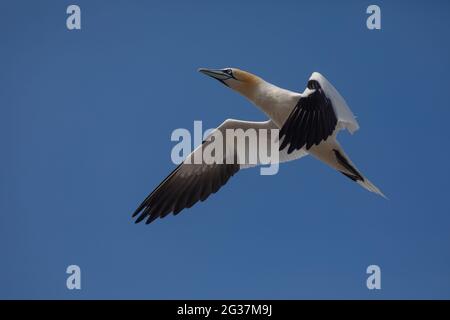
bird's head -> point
(239, 80)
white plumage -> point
(308, 123)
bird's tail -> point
(333, 154)
(353, 173)
(366, 184)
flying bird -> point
(308, 123)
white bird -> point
(309, 123)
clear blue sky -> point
(85, 125)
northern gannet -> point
(308, 123)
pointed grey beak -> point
(216, 74)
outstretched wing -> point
(191, 182)
(185, 186)
(312, 120)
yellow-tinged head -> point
(239, 80)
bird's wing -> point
(345, 117)
(191, 182)
(312, 120)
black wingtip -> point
(141, 217)
(355, 175)
(135, 213)
(140, 208)
(151, 219)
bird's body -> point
(275, 102)
(308, 122)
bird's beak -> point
(216, 74)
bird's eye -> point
(228, 71)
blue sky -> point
(85, 125)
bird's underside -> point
(310, 127)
